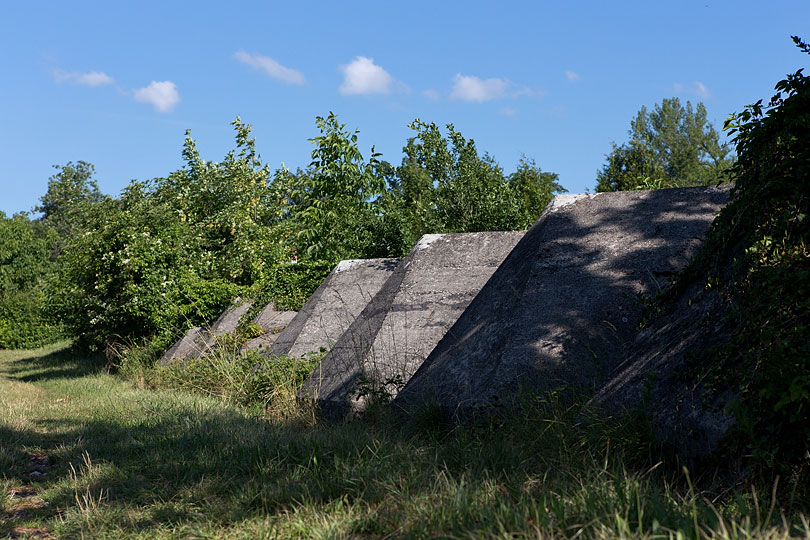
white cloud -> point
(572, 76)
(509, 111)
(161, 95)
(697, 88)
(271, 67)
(363, 76)
(471, 88)
(91, 78)
(701, 90)
(431, 94)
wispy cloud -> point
(163, 95)
(272, 68)
(509, 111)
(697, 88)
(91, 78)
(701, 90)
(431, 94)
(572, 76)
(363, 76)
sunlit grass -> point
(129, 462)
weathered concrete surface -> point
(399, 328)
(683, 415)
(189, 346)
(563, 308)
(198, 340)
(333, 307)
(273, 322)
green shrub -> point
(23, 325)
(289, 286)
(764, 228)
(26, 249)
(170, 253)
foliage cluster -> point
(71, 193)
(671, 146)
(26, 249)
(444, 185)
(764, 231)
(171, 252)
(28, 252)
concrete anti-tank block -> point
(198, 340)
(272, 322)
(563, 308)
(412, 311)
(333, 307)
(189, 346)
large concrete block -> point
(333, 307)
(564, 307)
(273, 322)
(189, 346)
(680, 412)
(402, 324)
(198, 340)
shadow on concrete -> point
(333, 306)
(564, 308)
(410, 314)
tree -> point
(70, 191)
(170, 252)
(672, 146)
(447, 185)
(25, 264)
(229, 206)
(533, 189)
(337, 197)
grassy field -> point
(88, 454)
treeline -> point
(171, 252)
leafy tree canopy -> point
(670, 146)
(70, 191)
(445, 185)
(335, 201)
(170, 252)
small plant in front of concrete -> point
(374, 392)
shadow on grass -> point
(64, 363)
(155, 461)
(183, 460)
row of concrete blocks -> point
(470, 321)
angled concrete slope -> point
(189, 346)
(333, 307)
(564, 306)
(198, 340)
(273, 322)
(398, 329)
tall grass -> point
(188, 461)
(268, 386)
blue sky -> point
(118, 83)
